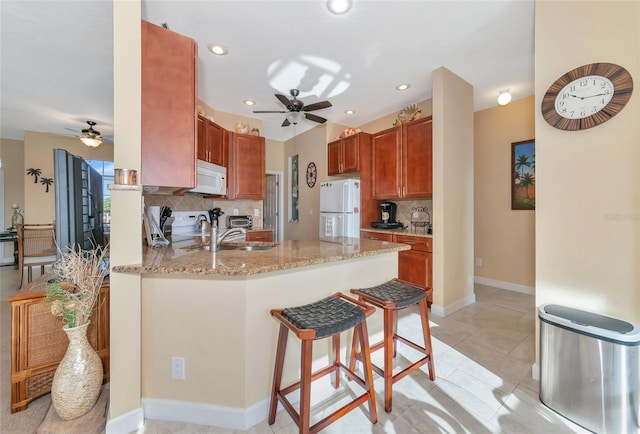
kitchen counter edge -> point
(286, 255)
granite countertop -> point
(407, 231)
(181, 258)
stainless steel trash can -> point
(589, 368)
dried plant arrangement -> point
(76, 285)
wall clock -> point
(587, 96)
(312, 174)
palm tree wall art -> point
(523, 175)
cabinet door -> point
(351, 154)
(168, 108)
(417, 159)
(415, 267)
(247, 178)
(334, 157)
(264, 236)
(386, 155)
(203, 151)
(215, 144)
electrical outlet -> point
(177, 368)
(478, 262)
(236, 211)
(256, 212)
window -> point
(105, 168)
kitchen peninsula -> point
(212, 310)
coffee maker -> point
(387, 216)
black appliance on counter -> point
(387, 217)
(214, 215)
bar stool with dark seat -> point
(391, 297)
(325, 318)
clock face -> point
(584, 97)
(312, 174)
(587, 96)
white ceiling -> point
(57, 57)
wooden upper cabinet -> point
(169, 97)
(210, 142)
(387, 155)
(417, 160)
(343, 155)
(246, 171)
(402, 161)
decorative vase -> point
(78, 379)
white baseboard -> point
(535, 372)
(505, 285)
(126, 423)
(205, 414)
(451, 308)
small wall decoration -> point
(523, 175)
(47, 182)
(293, 188)
(35, 173)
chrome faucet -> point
(217, 239)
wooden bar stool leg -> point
(363, 334)
(426, 332)
(305, 385)
(354, 349)
(336, 360)
(277, 375)
(388, 358)
(394, 315)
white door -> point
(271, 214)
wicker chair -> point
(36, 248)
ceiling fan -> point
(89, 136)
(297, 110)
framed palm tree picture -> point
(523, 175)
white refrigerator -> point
(340, 208)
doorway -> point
(272, 212)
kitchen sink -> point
(246, 246)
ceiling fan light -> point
(505, 97)
(295, 117)
(339, 7)
(92, 142)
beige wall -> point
(387, 121)
(39, 206)
(588, 182)
(126, 210)
(310, 146)
(12, 156)
(452, 192)
(504, 238)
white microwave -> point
(212, 179)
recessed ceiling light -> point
(505, 97)
(349, 112)
(339, 7)
(217, 49)
(249, 102)
(403, 86)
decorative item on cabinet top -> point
(409, 113)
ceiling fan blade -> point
(315, 118)
(72, 130)
(317, 106)
(286, 123)
(270, 111)
(283, 99)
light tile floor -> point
(483, 358)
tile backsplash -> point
(194, 202)
(405, 207)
